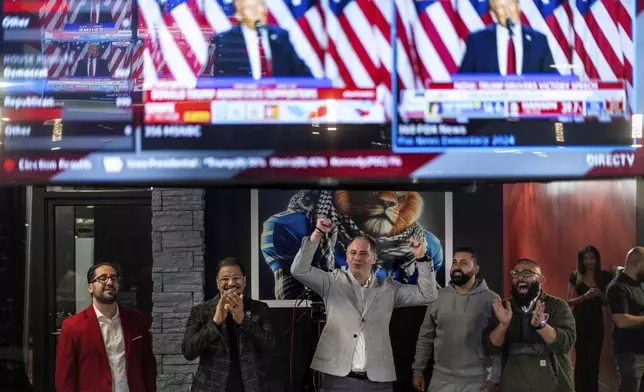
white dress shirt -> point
(112, 332)
(359, 361)
(502, 38)
(251, 38)
(95, 12)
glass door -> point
(82, 235)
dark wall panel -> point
(478, 223)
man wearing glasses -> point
(534, 332)
(105, 348)
(227, 331)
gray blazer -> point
(346, 316)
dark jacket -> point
(481, 49)
(102, 70)
(231, 56)
(529, 364)
(208, 341)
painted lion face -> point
(380, 214)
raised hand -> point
(539, 314)
(502, 311)
(418, 247)
(323, 226)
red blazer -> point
(81, 360)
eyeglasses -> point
(523, 273)
(103, 279)
(237, 278)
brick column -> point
(178, 276)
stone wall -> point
(178, 276)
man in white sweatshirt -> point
(452, 333)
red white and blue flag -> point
(63, 57)
(348, 41)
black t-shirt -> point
(234, 383)
(626, 296)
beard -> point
(107, 296)
(459, 278)
(523, 298)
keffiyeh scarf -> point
(318, 204)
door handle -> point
(56, 333)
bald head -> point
(634, 256)
(528, 264)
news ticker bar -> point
(536, 99)
(426, 137)
(320, 167)
(410, 138)
(422, 137)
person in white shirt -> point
(105, 348)
(519, 49)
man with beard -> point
(453, 331)
(626, 301)
(229, 334)
(105, 348)
(354, 351)
(534, 332)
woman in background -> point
(586, 295)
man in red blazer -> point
(105, 348)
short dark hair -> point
(91, 272)
(371, 241)
(528, 261)
(471, 251)
(231, 262)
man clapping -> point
(226, 331)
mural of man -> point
(390, 218)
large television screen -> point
(338, 91)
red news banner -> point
(198, 106)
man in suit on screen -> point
(253, 48)
(94, 12)
(93, 65)
(507, 47)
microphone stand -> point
(312, 380)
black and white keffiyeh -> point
(318, 204)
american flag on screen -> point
(592, 39)
(55, 14)
(62, 57)
(348, 41)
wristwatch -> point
(541, 325)
(423, 259)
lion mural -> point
(390, 218)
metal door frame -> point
(42, 279)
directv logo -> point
(112, 164)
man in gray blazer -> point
(354, 352)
